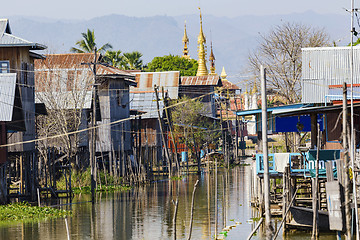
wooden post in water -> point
(265, 152)
(216, 199)
(223, 135)
(192, 209)
(315, 192)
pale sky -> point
(81, 9)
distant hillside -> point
(233, 38)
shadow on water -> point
(147, 211)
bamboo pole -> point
(315, 230)
(162, 131)
(192, 209)
(255, 229)
(171, 132)
(216, 198)
(286, 212)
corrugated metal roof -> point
(68, 82)
(336, 92)
(9, 40)
(7, 95)
(210, 80)
(226, 84)
(146, 102)
(147, 80)
(285, 107)
(65, 100)
(326, 66)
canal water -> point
(146, 212)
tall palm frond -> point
(114, 58)
(132, 60)
(87, 44)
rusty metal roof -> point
(66, 81)
(226, 84)
(209, 80)
(147, 80)
(66, 61)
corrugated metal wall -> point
(326, 66)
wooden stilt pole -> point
(315, 231)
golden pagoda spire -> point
(223, 74)
(185, 41)
(212, 62)
(254, 89)
(202, 70)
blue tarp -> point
(290, 124)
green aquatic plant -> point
(25, 212)
(103, 188)
(255, 219)
(176, 178)
(225, 233)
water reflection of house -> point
(66, 81)
(16, 66)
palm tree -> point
(132, 60)
(114, 58)
(87, 44)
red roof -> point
(226, 84)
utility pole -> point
(93, 133)
(265, 153)
(346, 164)
(352, 134)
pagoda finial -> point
(185, 41)
(254, 89)
(212, 62)
(223, 74)
(202, 70)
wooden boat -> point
(304, 217)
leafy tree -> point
(190, 123)
(187, 67)
(114, 58)
(280, 53)
(132, 60)
(87, 44)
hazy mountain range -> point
(232, 38)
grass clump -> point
(176, 178)
(24, 211)
(81, 182)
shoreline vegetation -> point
(24, 212)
